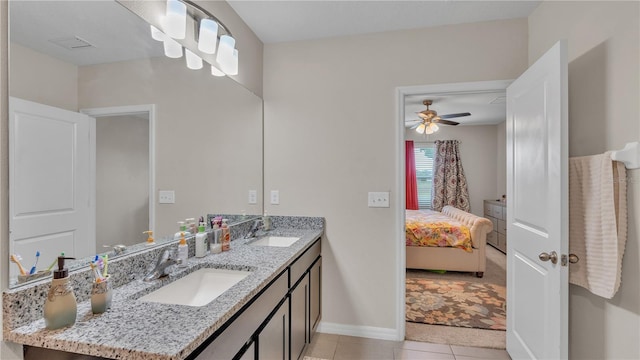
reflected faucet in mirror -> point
(165, 259)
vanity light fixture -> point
(208, 29)
(194, 62)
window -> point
(424, 153)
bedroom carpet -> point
(456, 303)
(439, 334)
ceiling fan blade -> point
(414, 126)
(451, 116)
(447, 122)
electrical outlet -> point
(379, 199)
(253, 196)
(275, 197)
(167, 197)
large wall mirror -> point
(158, 127)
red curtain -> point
(411, 181)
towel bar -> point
(630, 155)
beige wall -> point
(43, 79)
(604, 93)
(122, 180)
(478, 155)
(208, 133)
(330, 137)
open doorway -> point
(124, 174)
(449, 303)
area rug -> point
(456, 303)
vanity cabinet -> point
(273, 340)
(496, 211)
(305, 299)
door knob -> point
(573, 258)
(546, 257)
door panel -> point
(51, 182)
(537, 197)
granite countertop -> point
(134, 329)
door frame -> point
(149, 109)
(401, 93)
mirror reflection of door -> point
(122, 179)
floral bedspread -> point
(432, 228)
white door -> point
(51, 182)
(537, 197)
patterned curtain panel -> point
(449, 182)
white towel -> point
(597, 222)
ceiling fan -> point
(427, 124)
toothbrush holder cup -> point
(101, 294)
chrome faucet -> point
(254, 229)
(160, 269)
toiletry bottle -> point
(183, 251)
(182, 228)
(60, 307)
(201, 241)
(226, 237)
(150, 240)
(216, 246)
(266, 222)
(191, 225)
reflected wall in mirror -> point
(205, 143)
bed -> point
(452, 240)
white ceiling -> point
(280, 21)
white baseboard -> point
(359, 331)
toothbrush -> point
(106, 263)
(33, 268)
(16, 259)
(54, 262)
(95, 272)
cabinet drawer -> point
(301, 264)
(236, 335)
(504, 213)
(492, 238)
(502, 227)
(497, 211)
(487, 209)
(502, 242)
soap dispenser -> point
(60, 307)
(150, 240)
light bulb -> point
(157, 34)
(172, 48)
(208, 36)
(420, 129)
(216, 72)
(225, 53)
(194, 62)
(175, 21)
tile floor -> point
(340, 347)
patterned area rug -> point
(456, 303)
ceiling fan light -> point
(194, 62)
(208, 36)
(421, 128)
(428, 130)
(172, 48)
(434, 127)
(175, 21)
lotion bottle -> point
(182, 231)
(266, 222)
(226, 237)
(60, 307)
(216, 247)
(183, 251)
(201, 241)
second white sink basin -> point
(198, 288)
(280, 241)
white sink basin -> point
(198, 288)
(280, 241)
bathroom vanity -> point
(272, 313)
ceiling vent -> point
(72, 43)
(499, 100)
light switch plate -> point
(379, 199)
(275, 197)
(253, 196)
(167, 197)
